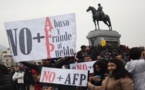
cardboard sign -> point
(83, 66)
(42, 38)
(64, 76)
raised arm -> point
(62, 62)
(32, 66)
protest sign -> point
(64, 76)
(42, 38)
(83, 66)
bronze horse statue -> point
(97, 17)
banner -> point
(83, 66)
(42, 38)
(64, 76)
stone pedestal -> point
(111, 37)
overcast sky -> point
(127, 16)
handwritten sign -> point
(64, 76)
(41, 38)
(83, 66)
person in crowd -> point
(82, 53)
(12, 72)
(143, 54)
(35, 75)
(18, 77)
(91, 52)
(118, 79)
(47, 63)
(88, 58)
(28, 78)
(39, 63)
(119, 57)
(126, 58)
(99, 58)
(48, 88)
(5, 78)
(136, 67)
(107, 56)
(100, 70)
(102, 55)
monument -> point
(94, 36)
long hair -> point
(102, 65)
(120, 71)
(3, 70)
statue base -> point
(111, 37)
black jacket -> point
(28, 78)
(57, 65)
(6, 82)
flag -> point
(103, 42)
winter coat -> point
(5, 82)
(111, 84)
(19, 76)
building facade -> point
(6, 58)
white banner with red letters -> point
(83, 66)
(48, 37)
(64, 76)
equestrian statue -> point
(99, 15)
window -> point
(7, 60)
(4, 52)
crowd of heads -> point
(110, 60)
(107, 52)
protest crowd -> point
(97, 67)
(115, 68)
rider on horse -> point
(98, 15)
(100, 11)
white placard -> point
(48, 37)
(64, 76)
(83, 66)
